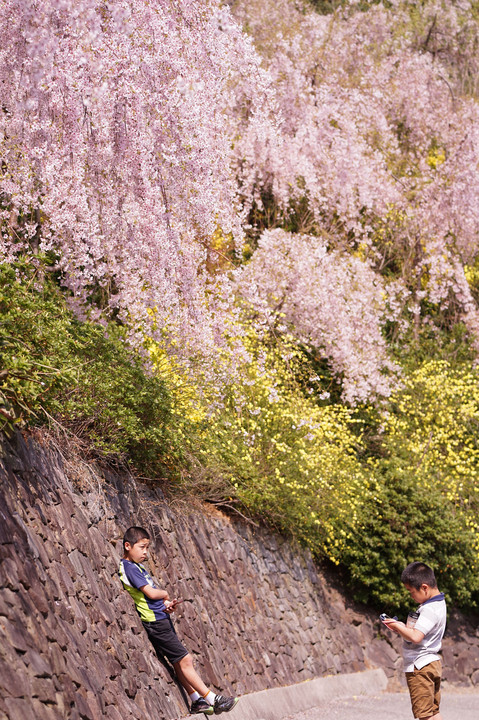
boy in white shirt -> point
(422, 643)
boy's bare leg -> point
(190, 679)
(437, 716)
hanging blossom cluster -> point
(378, 139)
(334, 302)
(115, 151)
(334, 136)
(132, 133)
(368, 121)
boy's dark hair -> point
(134, 534)
(417, 574)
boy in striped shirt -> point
(154, 608)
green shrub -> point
(82, 375)
(406, 519)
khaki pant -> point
(424, 688)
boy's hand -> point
(393, 624)
(409, 634)
(170, 605)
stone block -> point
(38, 664)
(20, 709)
(56, 658)
(39, 600)
(8, 597)
(129, 682)
(112, 713)
(467, 661)
(94, 702)
(83, 707)
(12, 635)
(111, 666)
(105, 610)
(13, 681)
(59, 573)
(44, 711)
(10, 570)
(44, 690)
(448, 656)
(66, 687)
(138, 661)
(130, 709)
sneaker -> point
(201, 706)
(224, 704)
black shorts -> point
(164, 639)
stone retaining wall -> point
(71, 645)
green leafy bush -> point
(404, 519)
(82, 375)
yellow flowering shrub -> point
(423, 497)
(434, 420)
(270, 450)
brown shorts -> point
(424, 688)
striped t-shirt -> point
(134, 576)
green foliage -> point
(326, 7)
(370, 489)
(424, 499)
(31, 324)
(404, 519)
(444, 338)
(52, 365)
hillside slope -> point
(71, 644)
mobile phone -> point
(384, 617)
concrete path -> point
(282, 702)
(356, 696)
(393, 706)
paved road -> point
(393, 706)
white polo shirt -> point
(431, 622)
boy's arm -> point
(157, 594)
(154, 593)
(411, 634)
